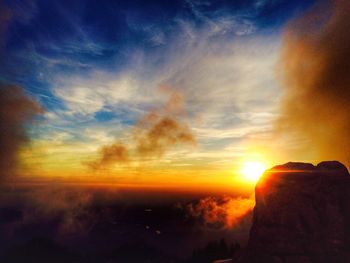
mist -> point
(17, 111)
(315, 72)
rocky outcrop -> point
(302, 214)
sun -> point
(253, 170)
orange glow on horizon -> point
(43, 163)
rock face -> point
(302, 214)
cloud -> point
(70, 206)
(163, 128)
(68, 214)
(156, 133)
(221, 212)
(17, 110)
(228, 91)
(85, 96)
(226, 81)
(110, 154)
(161, 134)
(314, 68)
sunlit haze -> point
(252, 171)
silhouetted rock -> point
(294, 166)
(302, 214)
(333, 168)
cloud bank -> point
(17, 110)
(221, 212)
(315, 72)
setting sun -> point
(253, 170)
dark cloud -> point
(161, 134)
(109, 154)
(315, 69)
(156, 133)
(163, 128)
(17, 110)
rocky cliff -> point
(302, 214)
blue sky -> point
(96, 67)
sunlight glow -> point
(252, 171)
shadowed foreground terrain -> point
(76, 225)
(302, 214)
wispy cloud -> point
(97, 89)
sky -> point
(175, 93)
